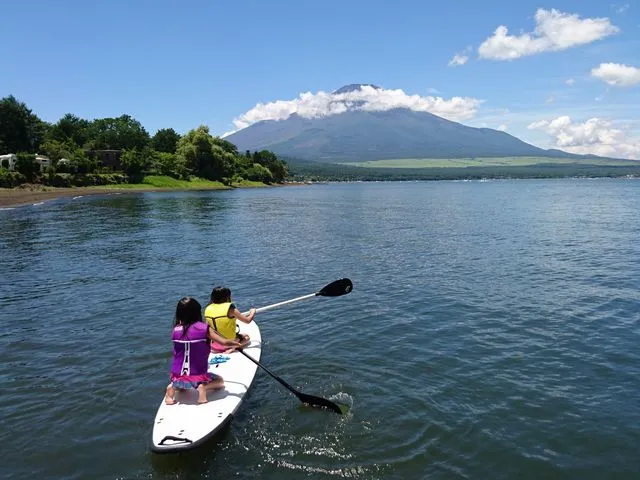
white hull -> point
(186, 425)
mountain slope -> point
(366, 135)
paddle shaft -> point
(282, 382)
(276, 305)
(311, 400)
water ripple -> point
(492, 331)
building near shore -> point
(43, 161)
(107, 158)
(8, 161)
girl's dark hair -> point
(188, 312)
(220, 295)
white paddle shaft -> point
(275, 305)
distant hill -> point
(358, 135)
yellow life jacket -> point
(217, 316)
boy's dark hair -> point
(220, 295)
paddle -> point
(307, 399)
(333, 289)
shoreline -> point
(13, 198)
(23, 197)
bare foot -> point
(169, 395)
(202, 394)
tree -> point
(122, 133)
(136, 161)
(204, 156)
(165, 140)
(26, 165)
(70, 127)
(269, 160)
(20, 129)
(170, 164)
(226, 145)
(259, 173)
(83, 164)
(68, 149)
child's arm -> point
(237, 314)
(216, 337)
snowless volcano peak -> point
(354, 87)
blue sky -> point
(573, 79)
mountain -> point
(359, 135)
(354, 87)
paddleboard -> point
(186, 425)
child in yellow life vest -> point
(221, 315)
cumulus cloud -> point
(617, 74)
(570, 81)
(458, 59)
(367, 98)
(554, 30)
(596, 135)
(502, 127)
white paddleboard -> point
(186, 425)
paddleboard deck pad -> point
(186, 425)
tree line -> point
(197, 153)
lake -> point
(492, 332)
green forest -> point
(301, 170)
(78, 150)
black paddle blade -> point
(314, 401)
(337, 288)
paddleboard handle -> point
(175, 439)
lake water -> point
(493, 330)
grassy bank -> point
(154, 182)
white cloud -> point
(502, 127)
(537, 125)
(226, 134)
(555, 30)
(458, 59)
(433, 90)
(620, 7)
(597, 136)
(323, 104)
(550, 99)
(570, 81)
(617, 74)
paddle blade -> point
(314, 401)
(337, 288)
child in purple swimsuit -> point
(191, 337)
